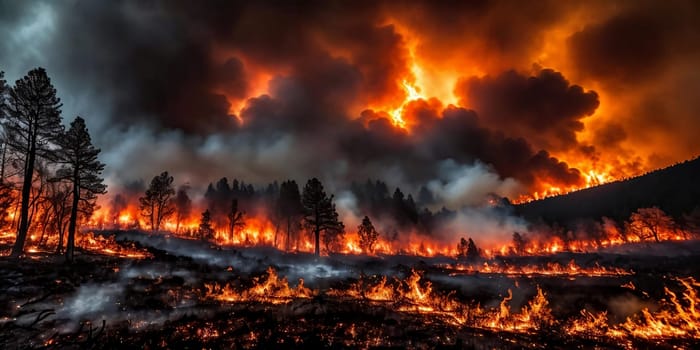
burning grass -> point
(170, 300)
(546, 269)
(415, 295)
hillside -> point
(675, 189)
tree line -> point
(312, 209)
(294, 210)
(50, 175)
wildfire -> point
(548, 269)
(108, 246)
(272, 289)
(412, 94)
(675, 318)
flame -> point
(108, 246)
(548, 269)
(677, 317)
(272, 289)
(412, 94)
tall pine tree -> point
(368, 235)
(319, 212)
(82, 169)
(289, 207)
(32, 124)
(235, 218)
(157, 203)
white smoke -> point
(461, 185)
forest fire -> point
(674, 319)
(386, 174)
(548, 269)
(273, 289)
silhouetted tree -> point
(235, 218)
(398, 209)
(59, 206)
(333, 237)
(319, 212)
(650, 223)
(82, 169)
(3, 135)
(157, 205)
(289, 206)
(6, 201)
(368, 235)
(467, 249)
(519, 243)
(462, 248)
(473, 252)
(32, 124)
(183, 206)
(205, 231)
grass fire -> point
(365, 175)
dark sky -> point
(516, 97)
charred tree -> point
(467, 249)
(368, 235)
(59, 206)
(319, 212)
(648, 223)
(3, 135)
(157, 203)
(82, 170)
(519, 243)
(235, 218)
(205, 231)
(183, 206)
(32, 123)
(289, 207)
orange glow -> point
(548, 269)
(676, 317)
(272, 289)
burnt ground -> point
(107, 302)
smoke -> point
(461, 186)
(93, 301)
(274, 90)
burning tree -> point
(6, 201)
(289, 207)
(59, 210)
(183, 206)
(320, 214)
(32, 124)
(205, 231)
(157, 205)
(519, 243)
(82, 169)
(648, 223)
(368, 235)
(468, 249)
(235, 218)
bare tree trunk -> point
(70, 246)
(18, 247)
(317, 233)
(289, 232)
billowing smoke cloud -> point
(462, 186)
(267, 91)
(544, 108)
